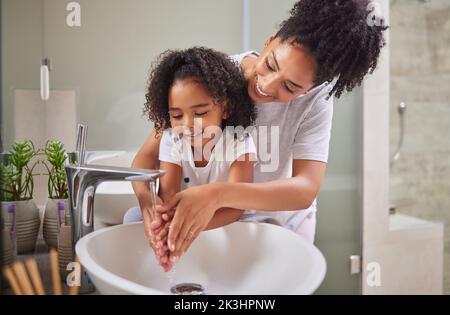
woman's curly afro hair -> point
(339, 36)
(215, 71)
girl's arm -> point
(146, 158)
(169, 184)
(240, 172)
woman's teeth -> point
(259, 90)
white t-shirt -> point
(304, 128)
(227, 150)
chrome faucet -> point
(83, 181)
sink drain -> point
(188, 289)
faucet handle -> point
(81, 144)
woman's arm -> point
(240, 172)
(293, 193)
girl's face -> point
(281, 73)
(191, 109)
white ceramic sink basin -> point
(241, 258)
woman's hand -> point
(195, 207)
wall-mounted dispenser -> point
(45, 79)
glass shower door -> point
(420, 173)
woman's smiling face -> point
(282, 72)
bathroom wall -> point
(21, 55)
(339, 230)
(420, 179)
(264, 19)
(107, 59)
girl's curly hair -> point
(340, 36)
(215, 71)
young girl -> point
(196, 99)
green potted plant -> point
(57, 191)
(16, 190)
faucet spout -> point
(83, 181)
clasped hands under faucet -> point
(171, 232)
(158, 236)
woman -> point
(290, 80)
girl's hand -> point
(148, 215)
(195, 207)
(153, 226)
(162, 253)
